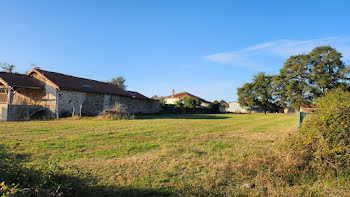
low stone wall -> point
(92, 104)
(23, 112)
(3, 111)
(143, 106)
(17, 112)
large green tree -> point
(257, 94)
(118, 81)
(327, 70)
(292, 86)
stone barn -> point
(43, 93)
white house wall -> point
(234, 107)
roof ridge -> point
(75, 77)
(69, 82)
(13, 73)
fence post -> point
(301, 116)
(81, 106)
(73, 112)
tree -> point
(161, 99)
(327, 71)
(257, 94)
(292, 86)
(223, 103)
(119, 81)
(215, 106)
(155, 97)
(7, 67)
(190, 102)
(216, 102)
(246, 96)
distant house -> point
(173, 98)
(235, 107)
(309, 108)
(52, 94)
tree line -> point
(303, 79)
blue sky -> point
(208, 48)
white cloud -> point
(251, 56)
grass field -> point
(153, 154)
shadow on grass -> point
(49, 179)
(180, 116)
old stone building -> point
(50, 94)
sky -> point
(207, 48)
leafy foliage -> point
(189, 102)
(327, 71)
(317, 154)
(223, 103)
(216, 102)
(257, 94)
(303, 79)
(324, 141)
(161, 99)
(292, 85)
(119, 81)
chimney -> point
(173, 93)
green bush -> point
(319, 152)
(324, 140)
(190, 102)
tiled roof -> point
(67, 82)
(137, 95)
(184, 94)
(309, 106)
(18, 80)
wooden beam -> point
(9, 96)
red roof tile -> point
(184, 94)
(309, 106)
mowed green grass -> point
(175, 154)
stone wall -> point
(17, 112)
(92, 104)
(132, 105)
(23, 112)
(3, 111)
